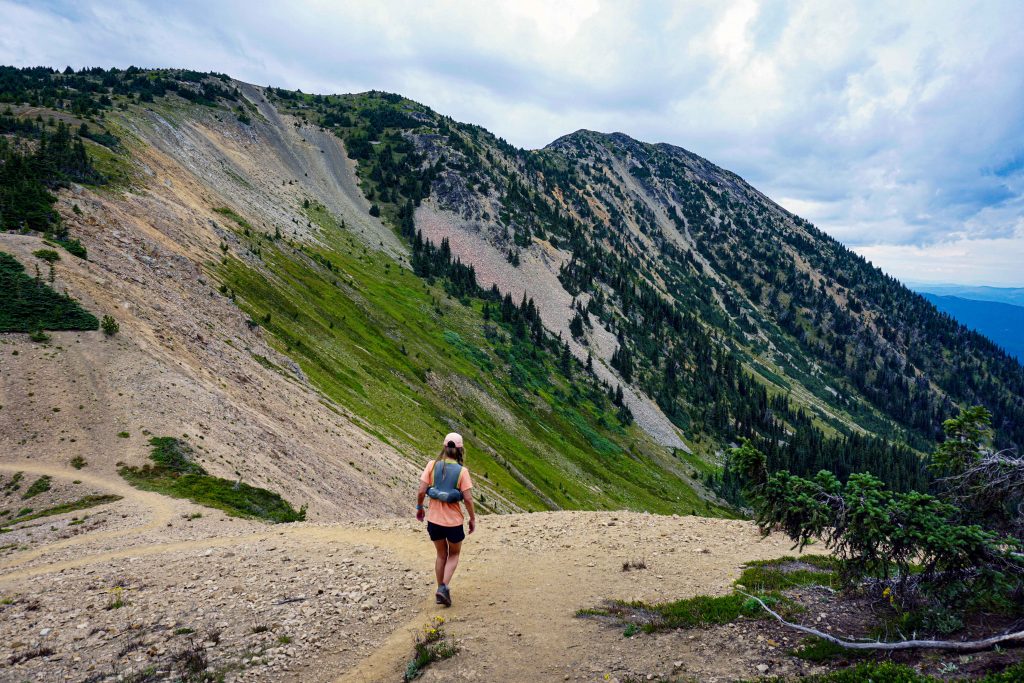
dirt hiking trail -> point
(343, 602)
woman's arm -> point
(420, 495)
(467, 498)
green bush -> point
(176, 474)
(48, 255)
(956, 563)
(40, 485)
(174, 455)
(74, 247)
(109, 326)
(30, 305)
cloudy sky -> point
(896, 127)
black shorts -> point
(452, 534)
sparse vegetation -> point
(432, 645)
(891, 672)
(14, 483)
(40, 485)
(26, 514)
(230, 213)
(117, 598)
(78, 462)
(109, 326)
(176, 474)
(39, 336)
(191, 662)
(48, 255)
(766, 578)
(31, 653)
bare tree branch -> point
(954, 645)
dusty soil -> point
(324, 602)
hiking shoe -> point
(444, 597)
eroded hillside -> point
(239, 253)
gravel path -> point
(325, 602)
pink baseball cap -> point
(457, 438)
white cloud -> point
(884, 123)
(993, 262)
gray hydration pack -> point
(446, 482)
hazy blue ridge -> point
(1006, 295)
(1001, 322)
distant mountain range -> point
(1006, 295)
(1001, 322)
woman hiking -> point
(446, 481)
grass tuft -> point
(433, 645)
(80, 504)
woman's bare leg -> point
(451, 562)
(442, 558)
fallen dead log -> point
(954, 645)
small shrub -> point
(40, 485)
(78, 462)
(109, 326)
(260, 627)
(15, 483)
(630, 565)
(48, 255)
(117, 599)
(432, 646)
(821, 651)
(191, 661)
(37, 335)
(74, 247)
(123, 435)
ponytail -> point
(452, 451)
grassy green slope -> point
(413, 363)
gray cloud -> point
(894, 126)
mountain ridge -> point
(705, 311)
